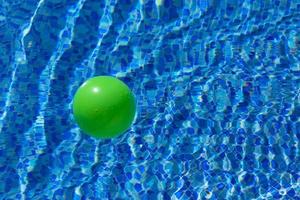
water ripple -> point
(217, 88)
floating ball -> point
(104, 107)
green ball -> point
(104, 107)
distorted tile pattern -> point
(217, 85)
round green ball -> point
(104, 107)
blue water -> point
(217, 85)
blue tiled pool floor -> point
(217, 85)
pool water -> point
(217, 85)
